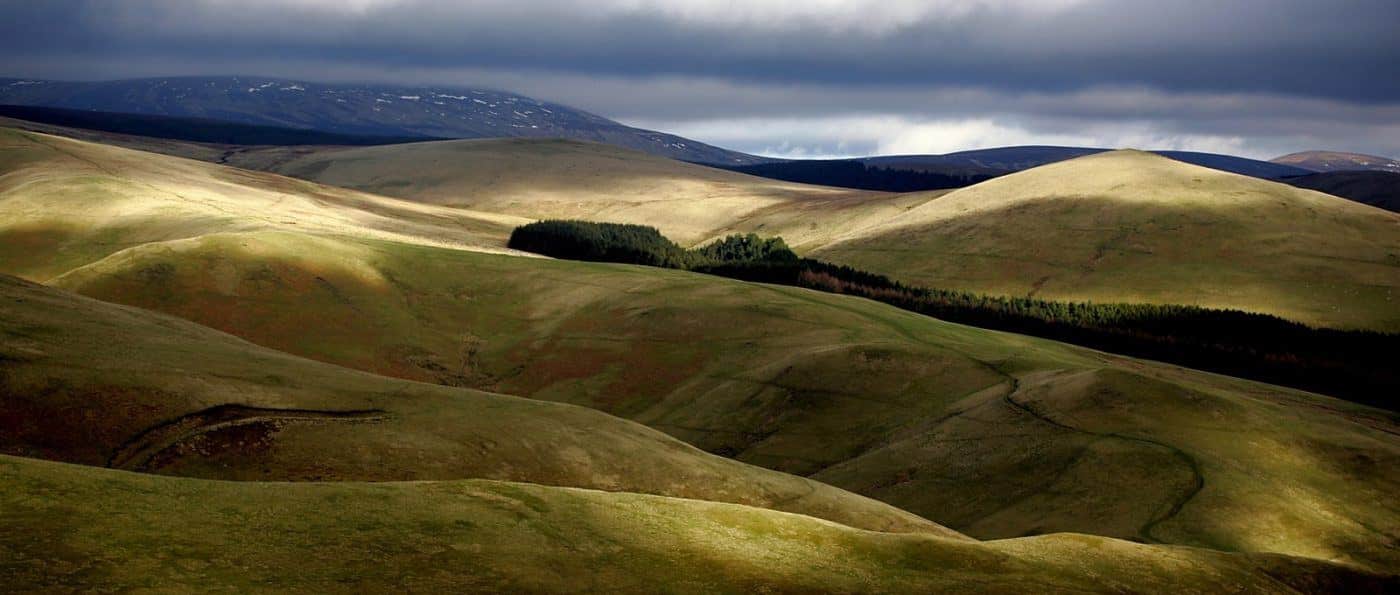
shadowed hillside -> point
(1379, 189)
(200, 130)
(161, 395)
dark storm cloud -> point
(1246, 67)
(1338, 49)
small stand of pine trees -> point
(1347, 364)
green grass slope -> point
(1119, 226)
(549, 178)
(66, 202)
(993, 434)
(1128, 226)
(79, 528)
(87, 382)
(559, 179)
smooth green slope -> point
(1128, 226)
(65, 202)
(87, 382)
(515, 179)
(1124, 226)
(1119, 226)
(993, 434)
(78, 528)
(554, 179)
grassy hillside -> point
(1120, 226)
(67, 202)
(1128, 226)
(71, 527)
(88, 382)
(993, 434)
(543, 178)
(996, 435)
(556, 179)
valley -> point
(332, 349)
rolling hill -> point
(541, 179)
(1327, 161)
(1108, 228)
(993, 435)
(101, 385)
(73, 528)
(67, 202)
(91, 382)
(1128, 226)
(1006, 160)
(374, 110)
(913, 173)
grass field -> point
(1128, 226)
(544, 179)
(70, 528)
(994, 434)
(1116, 227)
(991, 434)
(67, 202)
(161, 395)
(547, 178)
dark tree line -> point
(601, 242)
(1354, 365)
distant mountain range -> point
(358, 110)
(268, 111)
(1325, 161)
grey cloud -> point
(1273, 73)
(1341, 49)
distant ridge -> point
(1324, 161)
(1376, 188)
(1005, 160)
(911, 173)
(201, 130)
(358, 110)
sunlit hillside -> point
(1128, 226)
(67, 202)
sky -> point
(809, 78)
